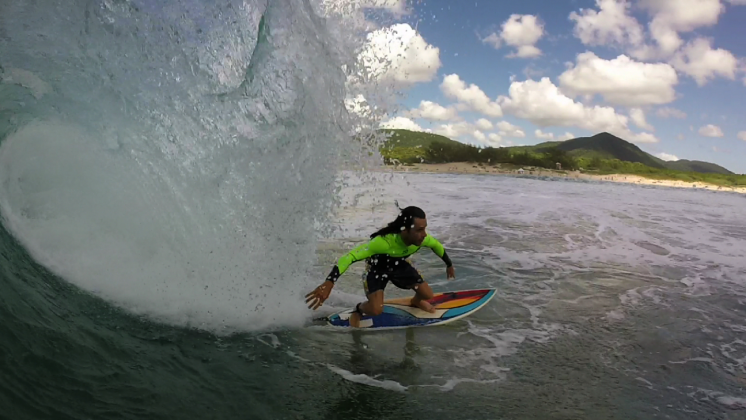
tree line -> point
(440, 152)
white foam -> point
(27, 79)
(615, 315)
(729, 401)
(647, 383)
(697, 286)
(367, 380)
(693, 359)
(452, 383)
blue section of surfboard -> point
(449, 307)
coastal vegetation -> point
(602, 154)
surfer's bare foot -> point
(424, 305)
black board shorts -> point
(382, 269)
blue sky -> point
(675, 66)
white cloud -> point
(509, 130)
(494, 140)
(698, 60)
(671, 17)
(455, 130)
(543, 104)
(401, 123)
(434, 112)
(668, 112)
(493, 39)
(612, 24)
(521, 32)
(484, 124)
(667, 157)
(550, 136)
(742, 134)
(621, 81)
(399, 55)
(461, 130)
(637, 116)
(711, 130)
(471, 97)
(543, 136)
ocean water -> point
(174, 179)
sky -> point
(667, 75)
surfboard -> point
(449, 307)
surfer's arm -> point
(375, 246)
(438, 249)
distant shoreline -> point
(476, 168)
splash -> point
(177, 160)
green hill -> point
(602, 151)
(413, 139)
(697, 166)
(608, 146)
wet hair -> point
(404, 220)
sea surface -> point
(175, 178)
(614, 302)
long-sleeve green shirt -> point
(391, 245)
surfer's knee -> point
(424, 291)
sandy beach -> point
(475, 168)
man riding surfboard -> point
(386, 260)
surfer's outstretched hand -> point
(451, 272)
(316, 298)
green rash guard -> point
(391, 245)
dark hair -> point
(403, 221)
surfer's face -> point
(416, 233)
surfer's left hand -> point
(450, 272)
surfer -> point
(386, 260)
